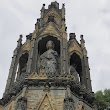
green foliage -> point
(103, 99)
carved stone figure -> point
(23, 73)
(80, 106)
(48, 61)
(68, 104)
(74, 73)
(21, 104)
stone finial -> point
(72, 36)
(42, 10)
(43, 7)
(28, 37)
(63, 5)
(82, 39)
(21, 36)
(63, 10)
(20, 41)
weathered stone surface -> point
(48, 61)
(42, 74)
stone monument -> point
(48, 71)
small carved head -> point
(50, 45)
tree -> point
(103, 99)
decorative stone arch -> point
(41, 46)
(45, 103)
(21, 65)
(77, 52)
(25, 47)
(23, 60)
(75, 58)
(54, 36)
(54, 13)
(56, 33)
(24, 52)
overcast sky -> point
(88, 17)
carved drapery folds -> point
(74, 73)
(48, 56)
(21, 104)
(48, 61)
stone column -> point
(64, 56)
(68, 101)
(64, 50)
(30, 59)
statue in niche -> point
(74, 73)
(48, 61)
(23, 74)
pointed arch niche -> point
(42, 41)
(42, 44)
(22, 64)
(75, 60)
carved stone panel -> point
(45, 104)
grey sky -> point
(88, 17)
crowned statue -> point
(48, 61)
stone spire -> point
(45, 70)
(12, 70)
(86, 69)
(63, 10)
(42, 10)
(72, 36)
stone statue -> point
(48, 61)
(74, 73)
